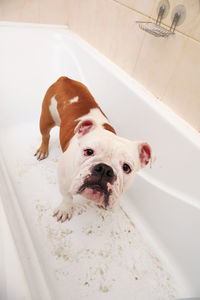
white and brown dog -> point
(95, 163)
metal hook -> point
(160, 15)
(175, 21)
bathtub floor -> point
(98, 254)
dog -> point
(95, 163)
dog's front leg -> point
(65, 210)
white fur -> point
(74, 100)
(54, 112)
(109, 149)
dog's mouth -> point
(96, 191)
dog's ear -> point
(145, 154)
(84, 127)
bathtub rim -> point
(37, 285)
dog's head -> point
(105, 163)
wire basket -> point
(155, 29)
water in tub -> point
(98, 254)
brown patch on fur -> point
(108, 127)
(64, 90)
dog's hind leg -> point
(46, 124)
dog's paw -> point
(63, 212)
(41, 153)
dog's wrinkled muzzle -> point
(97, 186)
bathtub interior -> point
(148, 248)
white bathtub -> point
(149, 247)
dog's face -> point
(105, 163)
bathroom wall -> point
(168, 68)
(34, 11)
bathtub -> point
(149, 246)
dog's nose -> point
(103, 170)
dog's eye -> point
(126, 168)
(88, 152)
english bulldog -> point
(95, 163)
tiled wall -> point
(168, 68)
(34, 11)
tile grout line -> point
(129, 7)
(141, 46)
(139, 52)
(174, 71)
